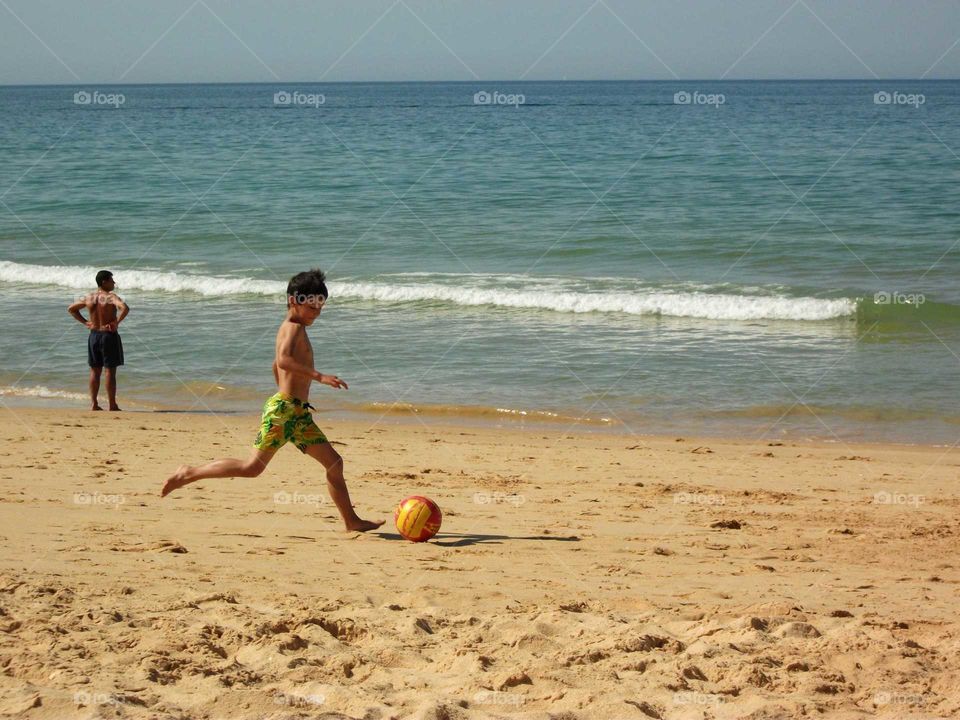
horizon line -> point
(474, 82)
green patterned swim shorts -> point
(287, 419)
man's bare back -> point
(102, 308)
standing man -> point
(104, 349)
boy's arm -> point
(286, 361)
(75, 308)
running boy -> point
(286, 415)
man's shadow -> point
(464, 539)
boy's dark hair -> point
(103, 276)
(306, 284)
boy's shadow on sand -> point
(464, 539)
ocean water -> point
(769, 259)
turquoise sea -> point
(758, 259)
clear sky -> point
(134, 41)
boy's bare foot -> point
(115, 409)
(363, 525)
(177, 480)
(96, 407)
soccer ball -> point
(418, 518)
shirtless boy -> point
(104, 349)
(286, 415)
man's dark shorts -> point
(104, 349)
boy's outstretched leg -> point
(337, 486)
(228, 467)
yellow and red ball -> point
(417, 518)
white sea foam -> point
(642, 302)
(81, 278)
(39, 391)
(558, 295)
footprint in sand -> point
(168, 546)
(726, 525)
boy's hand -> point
(333, 381)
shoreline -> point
(475, 417)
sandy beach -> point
(577, 575)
